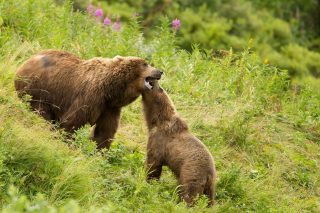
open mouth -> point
(149, 81)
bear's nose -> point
(159, 72)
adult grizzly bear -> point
(170, 143)
(73, 92)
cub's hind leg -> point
(209, 191)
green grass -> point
(262, 128)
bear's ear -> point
(118, 58)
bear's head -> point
(142, 74)
(136, 76)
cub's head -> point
(154, 92)
(158, 107)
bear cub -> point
(171, 144)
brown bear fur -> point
(73, 92)
(170, 143)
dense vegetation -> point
(285, 34)
(262, 128)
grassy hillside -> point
(262, 129)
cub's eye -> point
(145, 64)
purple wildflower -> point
(117, 25)
(107, 21)
(90, 8)
(176, 24)
(98, 13)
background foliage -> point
(281, 32)
(261, 126)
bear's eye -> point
(145, 64)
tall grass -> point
(263, 132)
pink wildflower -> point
(90, 8)
(98, 13)
(107, 21)
(117, 25)
(176, 24)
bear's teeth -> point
(147, 84)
